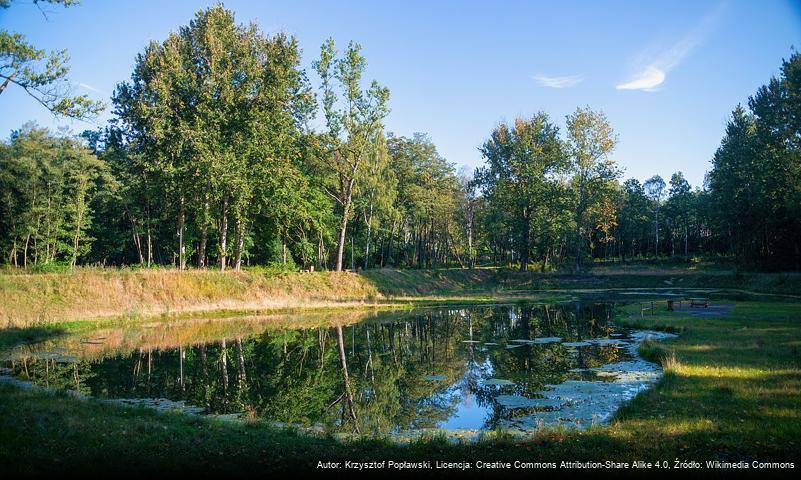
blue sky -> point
(667, 74)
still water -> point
(516, 367)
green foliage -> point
(425, 207)
(523, 183)
(42, 75)
(591, 140)
(210, 159)
(351, 149)
(49, 186)
(214, 115)
(755, 181)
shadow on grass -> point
(55, 433)
(13, 336)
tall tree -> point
(680, 205)
(634, 215)
(655, 190)
(523, 166)
(468, 204)
(354, 119)
(48, 185)
(590, 140)
(217, 108)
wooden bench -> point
(699, 302)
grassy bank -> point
(42, 299)
(39, 300)
(732, 392)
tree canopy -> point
(220, 152)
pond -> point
(464, 370)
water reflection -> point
(451, 368)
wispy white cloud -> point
(653, 68)
(86, 86)
(647, 80)
(558, 82)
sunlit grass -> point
(40, 299)
(731, 391)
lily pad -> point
(498, 381)
(606, 341)
(519, 401)
(577, 344)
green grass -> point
(41, 299)
(732, 391)
(733, 386)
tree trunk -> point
(656, 232)
(78, 222)
(471, 261)
(343, 226)
(579, 218)
(320, 251)
(686, 242)
(223, 232)
(455, 249)
(204, 233)
(369, 231)
(25, 253)
(343, 362)
(579, 249)
(137, 239)
(181, 221)
(525, 240)
(224, 364)
(149, 237)
(240, 243)
(241, 378)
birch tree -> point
(354, 122)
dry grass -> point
(42, 299)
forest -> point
(220, 154)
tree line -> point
(211, 160)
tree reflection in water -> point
(391, 373)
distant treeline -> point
(210, 160)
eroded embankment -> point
(41, 299)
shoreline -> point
(40, 300)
